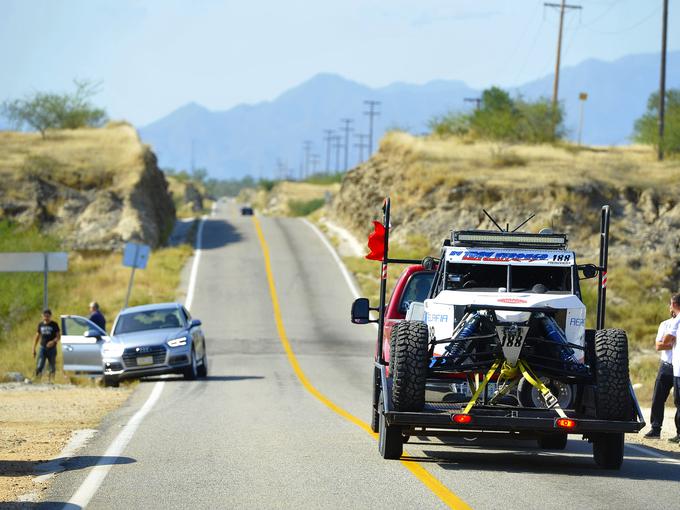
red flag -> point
(376, 242)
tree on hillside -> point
(45, 110)
(502, 118)
(647, 127)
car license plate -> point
(144, 360)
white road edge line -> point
(338, 261)
(98, 473)
(355, 292)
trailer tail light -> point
(462, 419)
(565, 423)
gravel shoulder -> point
(37, 421)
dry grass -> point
(83, 158)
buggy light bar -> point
(565, 423)
(477, 238)
(462, 419)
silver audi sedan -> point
(145, 340)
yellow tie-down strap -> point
(528, 374)
(536, 382)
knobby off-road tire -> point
(612, 395)
(390, 442)
(409, 371)
(608, 450)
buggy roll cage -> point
(601, 271)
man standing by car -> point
(48, 334)
(97, 316)
(663, 384)
(669, 342)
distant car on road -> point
(145, 340)
(246, 210)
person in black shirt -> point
(48, 334)
(97, 316)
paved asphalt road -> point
(253, 436)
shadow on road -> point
(210, 378)
(218, 233)
(26, 467)
(43, 505)
(576, 460)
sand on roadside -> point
(36, 422)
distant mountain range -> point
(251, 139)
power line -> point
(556, 84)
(328, 138)
(307, 147)
(361, 145)
(372, 112)
(347, 129)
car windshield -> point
(147, 320)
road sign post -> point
(135, 256)
(35, 262)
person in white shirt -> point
(669, 343)
(663, 384)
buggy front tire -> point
(608, 450)
(390, 441)
(409, 362)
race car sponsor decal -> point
(514, 301)
(529, 257)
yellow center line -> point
(422, 474)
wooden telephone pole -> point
(556, 84)
(662, 81)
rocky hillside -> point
(92, 188)
(438, 185)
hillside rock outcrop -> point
(95, 189)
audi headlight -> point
(112, 350)
(177, 342)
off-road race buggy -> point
(500, 348)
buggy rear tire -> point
(608, 450)
(390, 441)
(409, 372)
(612, 395)
(553, 442)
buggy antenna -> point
(493, 221)
(523, 223)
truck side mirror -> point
(360, 311)
(588, 271)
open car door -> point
(81, 344)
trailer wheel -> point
(390, 442)
(612, 395)
(410, 365)
(553, 442)
(608, 450)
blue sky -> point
(152, 56)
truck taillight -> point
(565, 423)
(462, 419)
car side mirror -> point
(430, 263)
(588, 271)
(92, 333)
(194, 323)
(361, 311)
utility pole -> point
(361, 145)
(372, 112)
(583, 97)
(347, 129)
(315, 160)
(662, 81)
(307, 145)
(337, 145)
(328, 138)
(476, 100)
(556, 84)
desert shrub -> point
(305, 207)
(646, 129)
